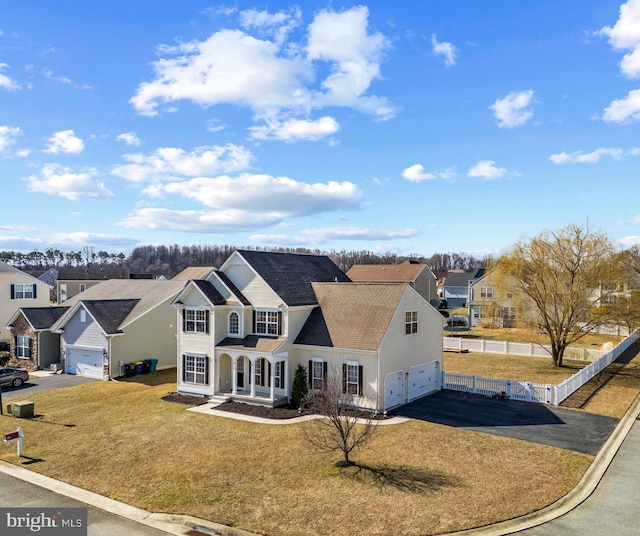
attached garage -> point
(84, 361)
(393, 389)
(423, 379)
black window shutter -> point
(184, 368)
(13, 291)
(34, 291)
(344, 378)
(269, 376)
(254, 322)
(360, 368)
(279, 322)
(310, 378)
(184, 321)
(206, 370)
(206, 321)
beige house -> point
(109, 325)
(492, 301)
(245, 328)
(18, 289)
(418, 275)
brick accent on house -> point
(22, 327)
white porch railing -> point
(534, 392)
(518, 348)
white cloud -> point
(416, 173)
(265, 194)
(629, 241)
(295, 129)
(486, 169)
(48, 73)
(166, 163)
(7, 136)
(215, 125)
(624, 110)
(198, 221)
(273, 76)
(129, 138)
(580, 157)
(320, 236)
(625, 35)
(514, 109)
(64, 141)
(447, 50)
(278, 25)
(6, 82)
(55, 179)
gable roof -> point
(290, 274)
(149, 293)
(209, 291)
(351, 315)
(230, 285)
(407, 271)
(193, 272)
(7, 273)
(456, 278)
(110, 314)
(40, 317)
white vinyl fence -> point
(529, 391)
(517, 348)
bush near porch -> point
(416, 478)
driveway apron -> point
(539, 423)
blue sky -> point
(409, 127)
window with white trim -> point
(83, 287)
(508, 313)
(195, 369)
(486, 293)
(234, 323)
(23, 347)
(83, 315)
(352, 378)
(196, 321)
(318, 373)
(257, 369)
(267, 322)
(278, 375)
(410, 322)
(23, 292)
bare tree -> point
(562, 279)
(344, 426)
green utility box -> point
(23, 409)
(9, 408)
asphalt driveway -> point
(47, 382)
(539, 423)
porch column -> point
(272, 378)
(286, 378)
(234, 375)
(252, 378)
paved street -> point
(14, 492)
(614, 507)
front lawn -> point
(122, 440)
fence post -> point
(508, 388)
(473, 384)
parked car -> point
(13, 376)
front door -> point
(240, 374)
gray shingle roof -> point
(241, 298)
(110, 314)
(290, 275)
(43, 317)
(252, 343)
(210, 292)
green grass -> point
(123, 441)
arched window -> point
(234, 323)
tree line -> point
(170, 260)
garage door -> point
(424, 379)
(84, 362)
(393, 389)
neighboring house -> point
(492, 302)
(247, 326)
(72, 280)
(418, 275)
(110, 324)
(608, 293)
(50, 277)
(456, 287)
(18, 289)
(193, 272)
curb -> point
(577, 495)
